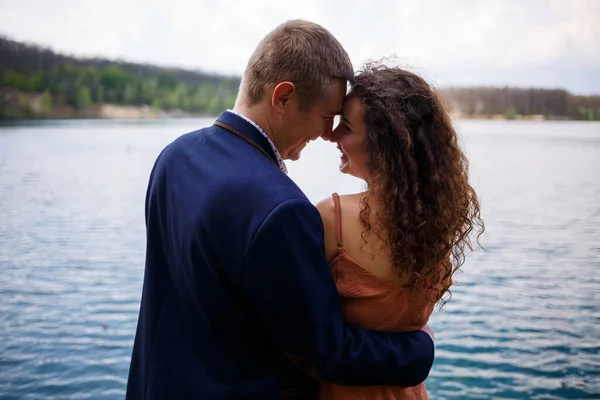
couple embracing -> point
(252, 292)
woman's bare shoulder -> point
(326, 208)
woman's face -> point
(350, 136)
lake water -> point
(524, 323)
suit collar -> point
(253, 134)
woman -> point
(394, 248)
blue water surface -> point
(523, 323)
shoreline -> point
(20, 107)
(167, 119)
(16, 105)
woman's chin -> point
(344, 167)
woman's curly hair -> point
(419, 176)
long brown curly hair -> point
(419, 177)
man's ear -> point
(282, 94)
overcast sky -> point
(461, 42)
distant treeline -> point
(81, 83)
(514, 102)
(37, 82)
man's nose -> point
(330, 134)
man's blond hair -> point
(300, 52)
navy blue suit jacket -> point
(238, 301)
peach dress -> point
(376, 304)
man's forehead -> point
(336, 104)
(333, 103)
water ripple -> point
(523, 323)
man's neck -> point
(258, 116)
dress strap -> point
(338, 220)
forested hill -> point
(36, 82)
(509, 103)
(79, 83)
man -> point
(238, 301)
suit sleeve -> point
(288, 283)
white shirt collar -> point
(277, 155)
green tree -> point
(170, 100)
(148, 90)
(157, 104)
(130, 94)
(15, 80)
(36, 82)
(84, 98)
(98, 96)
(46, 104)
(511, 112)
